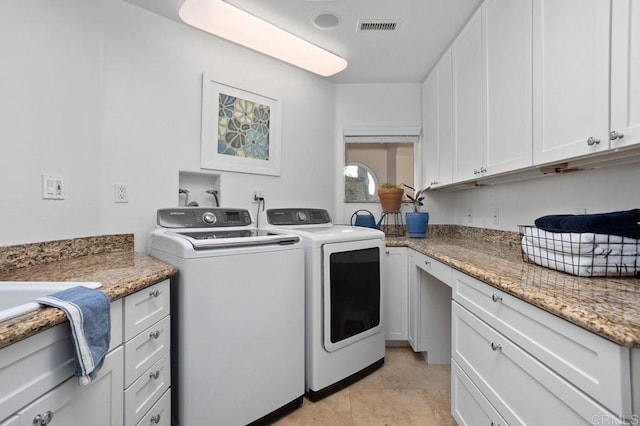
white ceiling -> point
(426, 28)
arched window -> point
(360, 183)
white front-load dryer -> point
(344, 337)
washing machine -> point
(343, 297)
(237, 316)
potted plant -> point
(417, 221)
(390, 197)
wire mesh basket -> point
(582, 254)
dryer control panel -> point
(289, 217)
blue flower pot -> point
(417, 224)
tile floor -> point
(405, 391)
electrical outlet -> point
(470, 215)
(121, 193)
(496, 216)
(52, 187)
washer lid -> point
(208, 239)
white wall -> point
(520, 203)
(107, 93)
(50, 99)
(371, 106)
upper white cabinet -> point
(466, 53)
(437, 95)
(625, 73)
(570, 78)
(507, 35)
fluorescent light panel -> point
(226, 21)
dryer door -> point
(352, 295)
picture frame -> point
(240, 129)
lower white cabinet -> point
(395, 293)
(521, 388)
(469, 406)
(527, 363)
(70, 404)
(147, 365)
(37, 386)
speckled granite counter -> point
(108, 259)
(609, 307)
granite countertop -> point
(609, 307)
(109, 260)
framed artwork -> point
(240, 130)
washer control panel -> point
(199, 217)
(287, 217)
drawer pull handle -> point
(43, 419)
(154, 334)
(155, 419)
(154, 293)
(496, 346)
(154, 375)
(496, 298)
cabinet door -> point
(466, 52)
(70, 404)
(444, 89)
(508, 88)
(570, 78)
(430, 129)
(395, 294)
(437, 93)
(625, 73)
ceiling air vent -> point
(377, 25)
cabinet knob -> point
(476, 171)
(593, 141)
(496, 346)
(427, 262)
(435, 182)
(495, 424)
(43, 419)
(154, 375)
(483, 170)
(154, 293)
(496, 298)
(154, 334)
(155, 419)
(614, 134)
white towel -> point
(582, 243)
(585, 265)
(565, 242)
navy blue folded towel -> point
(623, 223)
(89, 314)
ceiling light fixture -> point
(226, 21)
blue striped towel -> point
(88, 311)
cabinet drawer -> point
(511, 379)
(144, 392)
(145, 349)
(433, 267)
(160, 413)
(468, 406)
(597, 366)
(145, 307)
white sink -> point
(16, 297)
